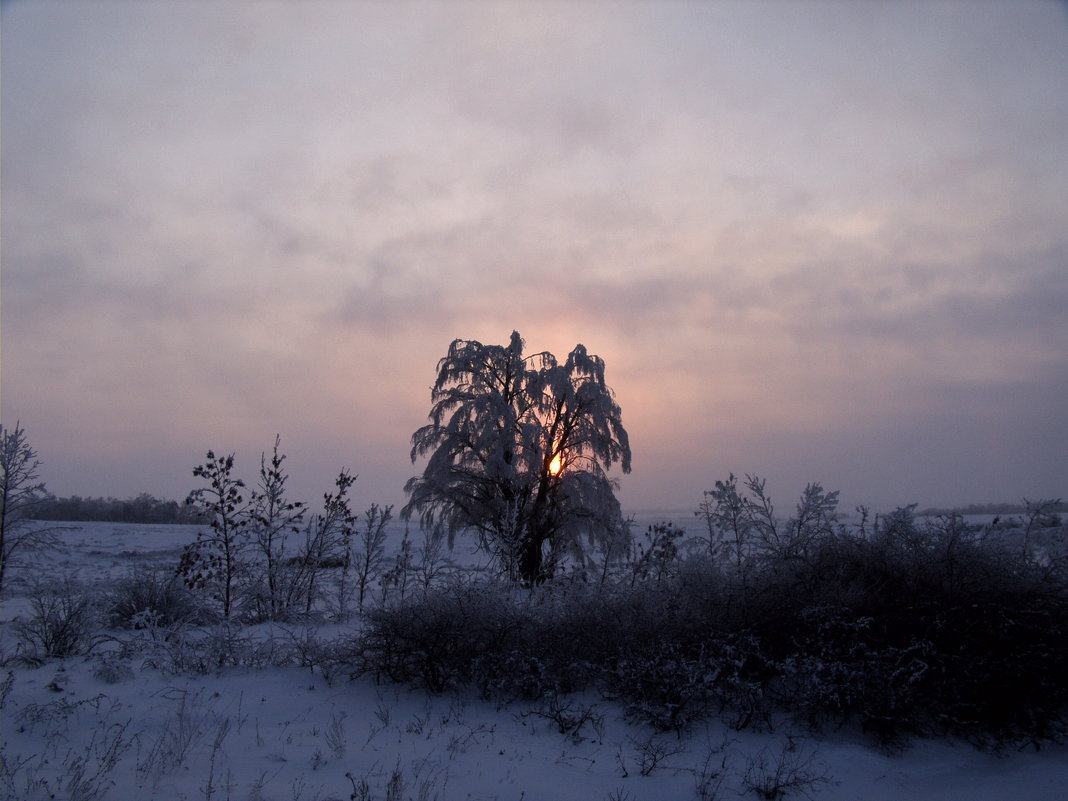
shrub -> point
(913, 630)
(919, 629)
(153, 599)
(112, 671)
(216, 647)
(65, 616)
(437, 637)
(792, 768)
(667, 688)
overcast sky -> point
(814, 241)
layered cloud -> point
(817, 241)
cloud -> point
(787, 231)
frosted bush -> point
(63, 622)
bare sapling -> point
(327, 539)
(20, 492)
(272, 519)
(368, 555)
(216, 559)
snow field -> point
(115, 726)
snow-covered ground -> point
(101, 727)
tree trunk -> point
(530, 560)
(532, 566)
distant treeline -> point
(991, 509)
(144, 508)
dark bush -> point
(930, 630)
(436, 638)
(153, 599)
(673, 686)
(912, 630)
(63, 622)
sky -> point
(815, 241)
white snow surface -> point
(286, 734)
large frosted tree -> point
(519, 452)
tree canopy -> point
(519, 452)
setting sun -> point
(555, 465)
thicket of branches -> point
(902, 626)
(262, 556)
